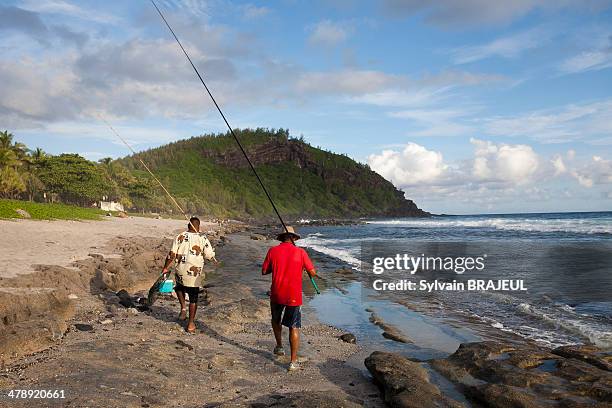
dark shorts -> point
(292, 317)
(192, 292)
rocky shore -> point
(79, 328)
(493, 374)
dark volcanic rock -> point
(500, 395)
(394, 334)
(590, 354)
(501, 375)
(83, 327)
(125, 299)
(348, 338)
(405, 383)
(389, 332)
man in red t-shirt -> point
(286, 262)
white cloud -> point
(68, 9)
(596, 171)
(505, 47)
(591, 60)
(589, 122)
(559, 165)
(251, 12)
(347, 82)
(493, 166)
(329, 33)
(495, 176)
(413, 165)
(516, 164)
(405, 92)
(436, 122)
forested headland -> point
(208, 175)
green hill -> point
(209, 175)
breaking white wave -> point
(322, 245)
(580, 226)
(597, 336)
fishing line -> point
(149, 170)
(231, 130)
(222, 115)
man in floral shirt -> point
(189, 250)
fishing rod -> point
(231, 130)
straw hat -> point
(290, 231)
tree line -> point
(34, 175)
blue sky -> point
(468, 106)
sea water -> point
(564, 259)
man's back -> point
(191, 249)
(286, 262)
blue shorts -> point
(292, 317)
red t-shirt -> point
(286, 262)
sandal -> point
(183, 315)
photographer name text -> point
(424, 285)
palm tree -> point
(6, 139)
(8, 158)
(18, 168)
(38, 154)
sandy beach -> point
(27, 243)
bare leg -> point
(277, 328)
(181, 297)
(294, 341)
(193, 307)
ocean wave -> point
(321, 245)
(579, 226)
(596, 335)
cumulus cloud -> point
(559, 165)
(413, 165)
(515, 164)
(493, 165)
(495, 174)
(595, 171)
(329, 33)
